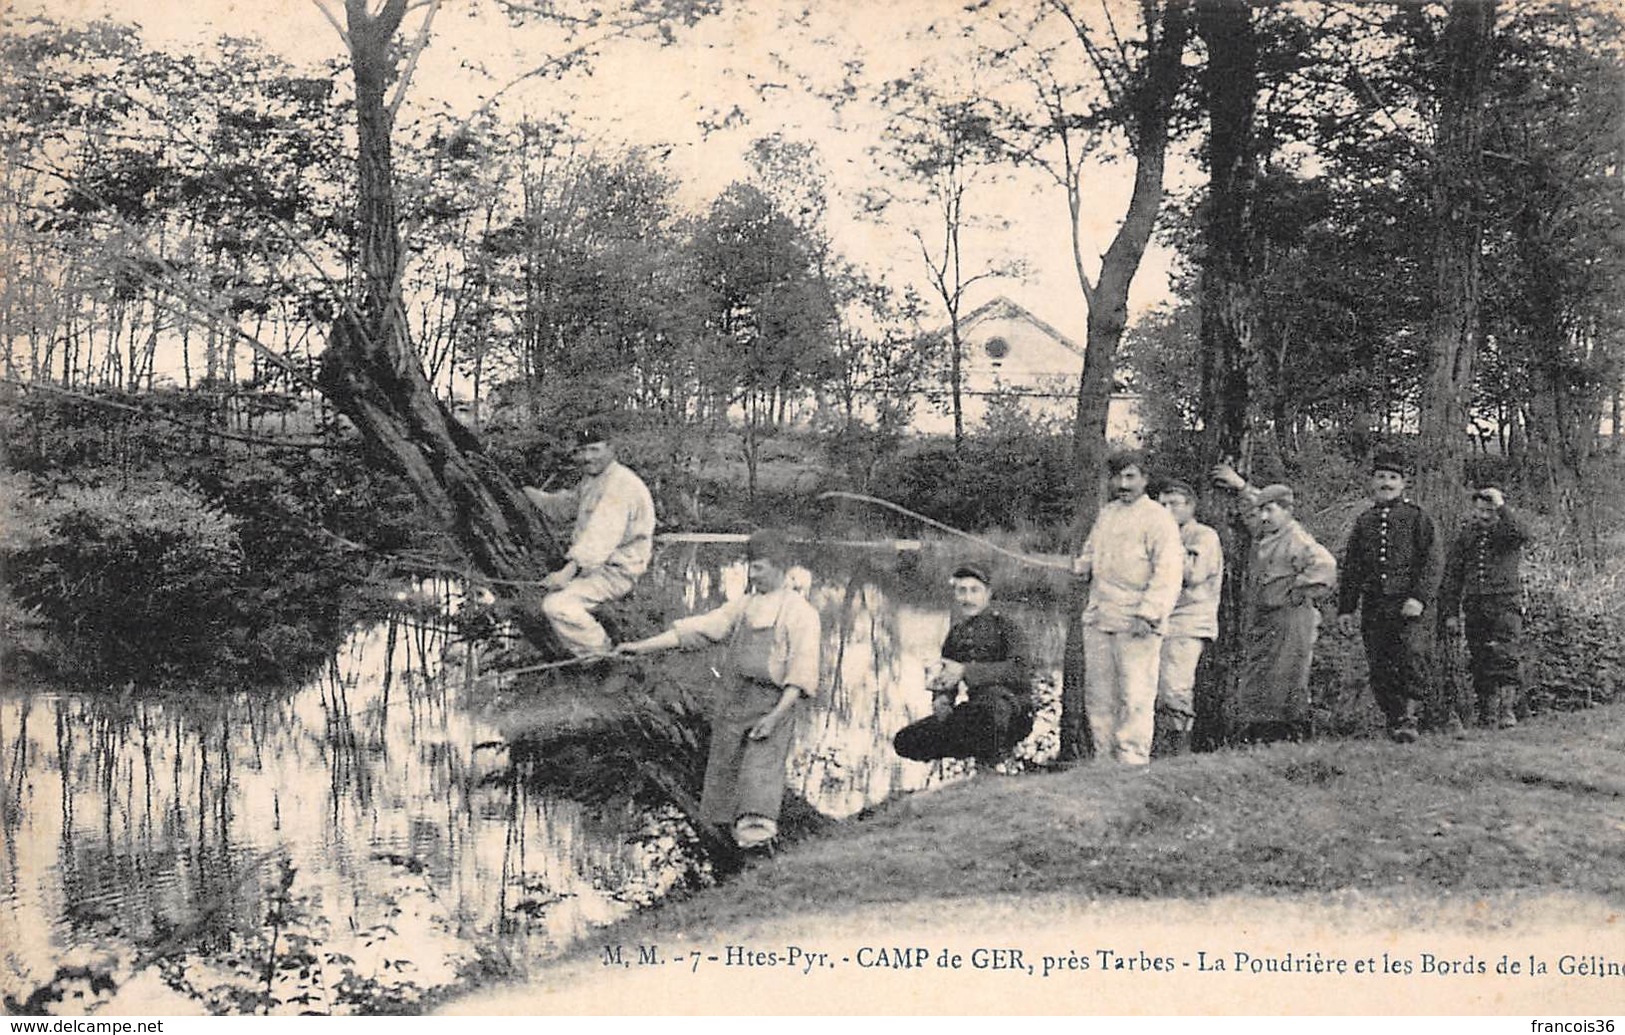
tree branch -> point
(333, 20)
(418, 46)
(1371, 94)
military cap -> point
(1175, 485)
(1277, 493)
(1389, 460)
(973, 570)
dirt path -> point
(1115, 957)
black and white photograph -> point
(813, 508)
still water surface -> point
(358, 842)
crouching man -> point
(769, 664)
(986, 656)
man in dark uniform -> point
(1482, 582)
(1390, 569)
(985, 655)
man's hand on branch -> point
(1224, 473)
(557, 580)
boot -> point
(1175, 742)
(1404, 731)
(1169, 738)
(1508, 702)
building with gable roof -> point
(1008, 351)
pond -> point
(359, 843)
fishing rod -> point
(1019, 558)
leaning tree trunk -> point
(374, 377)
(1107, 299)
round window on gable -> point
(998, 348)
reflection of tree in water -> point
(328, 849)
(394, 825)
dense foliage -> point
(147, 554)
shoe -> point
(1508, 701)
(754, 831)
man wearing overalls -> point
(772, 635)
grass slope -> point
(1541, 807)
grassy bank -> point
(1536, 808)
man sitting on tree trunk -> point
(610, 544)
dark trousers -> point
(1396, 654)
(984, 728)
(744, 777)
(1076, 742)
(1494, 627)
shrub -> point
(1012, 477)
(129, 580)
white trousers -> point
(1120, 693)
(570, 609)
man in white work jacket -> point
(1135, 562)
(611, 541)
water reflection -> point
(363, 840)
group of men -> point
(1153, 606)
(1154, 577)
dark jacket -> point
(1391, 553)
(1483, 561)
(993, 651)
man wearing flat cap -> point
(1289, 575)
(1192, 624)
(1390, 572)
(984, 655)
(1482, 583)
(612, 538)
(771, 662)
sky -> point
(642, 94)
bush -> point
(130, 581)
(1016, 474)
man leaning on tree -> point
(1482, 583)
